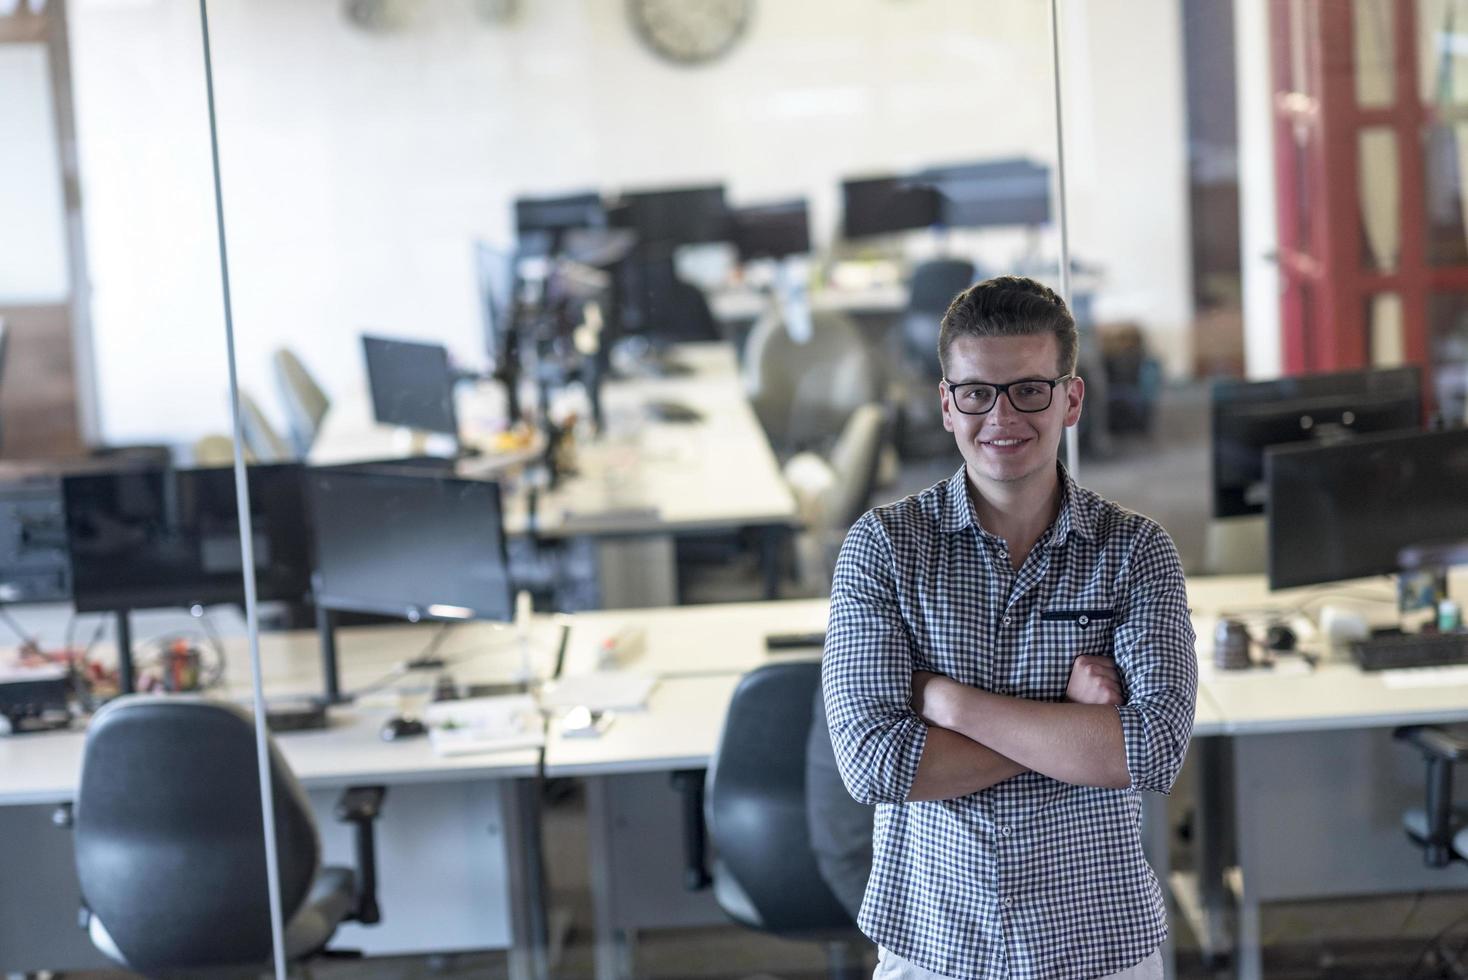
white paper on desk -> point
(605, 690)
(1425, 676)
(496, 724)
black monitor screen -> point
(996, 192)
(412, 384)
(409, 543)
(1248, 417)
(157, 538)
(772, 230)
(1347, 511)
(494, 272)
(558, 214)
(883, 205)
(677, 216)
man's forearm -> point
(1074, 743)
(953, 765)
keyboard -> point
(1396, 650)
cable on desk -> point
(560, 652)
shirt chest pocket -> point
(1063, 634)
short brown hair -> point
(1009, 306)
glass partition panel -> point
(121, 566)
(666, 277)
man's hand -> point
(933, 698)
(1093, 680)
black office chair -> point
(765, 875)
(933, 287)
(1439, 828)
(170, 847)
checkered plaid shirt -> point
(1031, 877)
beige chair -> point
(261, 439)
(217, 450)
(832, 492)
(1236, 546)
(305, 402)
(803, 392)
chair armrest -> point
(360, 806)
(1449, 743)
(1441, 747)
(689, 784)
(360, 803)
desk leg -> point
(521, 814)
(1155, 846)
(1248, 953)
(1212, 838)
(613, 945)
(772, 541)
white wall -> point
(358, 167)
(32, 215)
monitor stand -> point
(331, 677)
(125, 679)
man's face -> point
(1005, 445)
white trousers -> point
(890, 966)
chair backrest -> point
(755, 807)
(1236, 546)
(934, 284)
(170, 849)
(305, 402)
(854, 460)
(261, 439)
(803, 393)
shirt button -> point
(1006, 831)
(1006, 620)
(1009, 903)
(1083, 620)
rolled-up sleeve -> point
(866, 672)
(1156, 655)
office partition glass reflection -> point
(121, 542)
(549, 202)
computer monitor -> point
(411, 383)
(771, 231)
(1248, 417)
(676, 215)
(154, 538)
(991, 193)
(1347, 511)
(554, 215)
(884, 205)
(494, 273)
(409, 543)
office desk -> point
(639, 484)
(1305, 771)
(630, 798)
(458, 840)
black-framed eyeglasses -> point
(1026, 395)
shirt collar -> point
(1077, 510)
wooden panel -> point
(38, 384)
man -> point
(1009, 662)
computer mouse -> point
(400, 727)
(1280, 637)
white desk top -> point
(679, 730)
(46, 767)
(641, 476)
(697, 640)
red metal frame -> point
(1332, 331)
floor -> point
(1165, 476)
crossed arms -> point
(901, 734)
